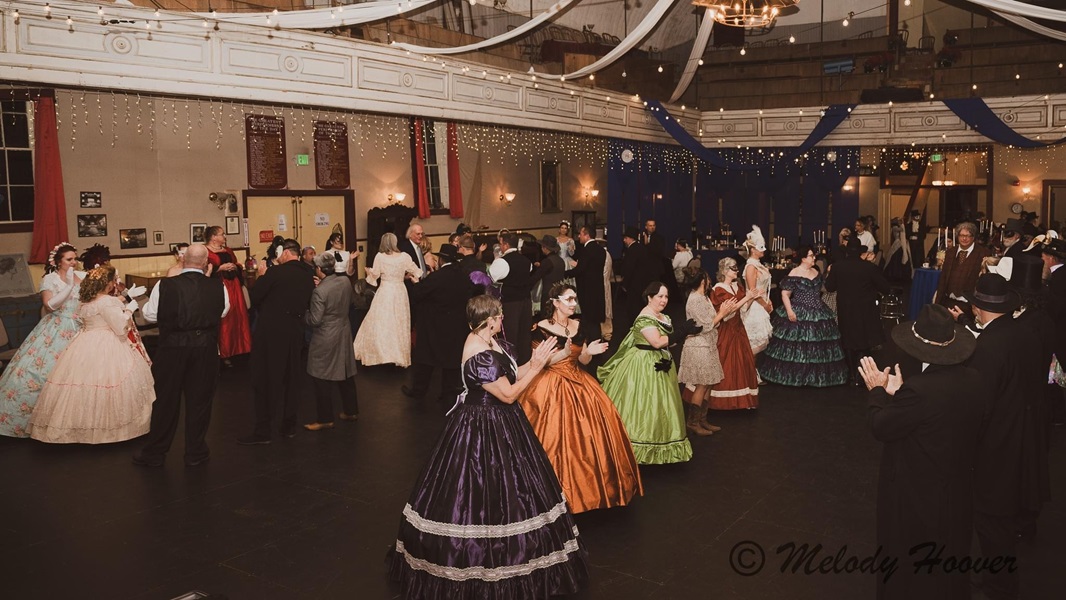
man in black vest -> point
(281, 297)
(188, 308)
(514, 271)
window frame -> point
(26, 96)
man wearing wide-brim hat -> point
(929, 426)
(1012, 367)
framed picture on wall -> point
(132, 238)
(157, 238)
(90, 200)
(549, 187)
(173, 248)
(196, 233)
(231, 205)
(233, 225)
(92, 225)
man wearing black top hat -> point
(1012, 237)
(1008, 362)
(929, 426)
(915, 230)
(1030, 224)
(551, 269)
(438, 303)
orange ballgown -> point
(582, 434)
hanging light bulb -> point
(623, 74)
(47, 10)
(906, 2)
(660, 68)
(700, 62)
(792, 39)
(100, 11)
(70, 21)
(743, 51)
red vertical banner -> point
(421, 193)
(49, 205)
(455, 182)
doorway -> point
(1054, 203)
(307, 216)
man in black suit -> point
(550, 270)
(410, 245)
(588, 276)
(929, 426)
(188, 308)
(514, 271)
(857, 283)
(1008, 362)
(638, 270)
(1053, 253)
(915, 229)
(653, 240)
(439, 306)
(281, 297)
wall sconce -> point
(1025, 193)
(396, 197)
(507, 198)
(220, 200)
(591, 195)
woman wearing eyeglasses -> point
(576, 422)
(487, 518)
(739, 387)
(641, 381)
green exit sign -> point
(936, 157)
(302, 160)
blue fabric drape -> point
(980, 117)
(819, 183)
(833, 116)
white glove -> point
(135, 291)
(133, 305)
(61, 296)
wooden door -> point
(305, 216)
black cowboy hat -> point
(994, 295)
(1055, 247)
(549, 242)
(934, 337)
(1014, 225)
(631, 232)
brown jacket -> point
(959, 277)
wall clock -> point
(1016, 208)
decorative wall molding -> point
(292, 69)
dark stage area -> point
(312, 517)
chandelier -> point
(745, 13)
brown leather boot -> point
(693, 418)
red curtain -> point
(421, 194)
(49, 203)
(455, 190)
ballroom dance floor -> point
(312, 517)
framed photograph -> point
(231, 205)
(157, 238)
(91, 200)
(132, 238)
(233, 225)
(92, 225)
(174, 248)
(196, 233)
(549, 187)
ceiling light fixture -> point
(749, 14)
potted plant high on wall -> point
(878, 62)
(947, 56)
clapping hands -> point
(874, 377)
(542, 353)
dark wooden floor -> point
(313, 516)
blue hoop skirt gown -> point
(487, 518)
(808, 351)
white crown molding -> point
(247, 63)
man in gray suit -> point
(331, 358)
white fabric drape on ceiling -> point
(632, 40)
(323, 18)
(1022, 9)
(699, 45)
(1034, 26)
(499, 39)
